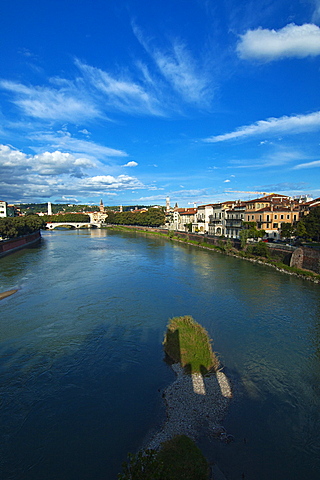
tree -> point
(250, 231)
(312, 224)
(154, 217)
(11, 227)
(287, 230)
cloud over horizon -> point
(55, 173)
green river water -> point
(81, 359)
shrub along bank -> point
(258, 252)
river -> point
(81, 360)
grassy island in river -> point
(188, 343)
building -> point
(186, 219)
(268, 213)
(98, 217)
(217, 221)
(7, 210)
(234, 220)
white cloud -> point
(314, 164)
(122, 182)
(121, 93)
(178, 67)
(131, 164)
(285, 124)
(63, 104)
(47, 163)
(55, 174)
(227, 181)
(316, 12)
(63, 140)
(85, 132)
(290, 41)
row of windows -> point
(275, 217)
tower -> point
(101, 206)
(167, 204)
(49, 208)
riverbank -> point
(226, 249)
(13, 244)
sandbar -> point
(7, 293)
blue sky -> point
(132, 101)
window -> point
(288, 216)
(275, 217)
(268, 218)
(275, 225)
(281, 217)
(295, 218)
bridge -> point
(53, 225)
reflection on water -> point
(82, 366)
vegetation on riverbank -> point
(67, 217)
(153, 217)
(188, 343)
(258, 252)
(12, 227)
(178, 459)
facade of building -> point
(268, 213)
(186, 219)
(3, 209)
(7, 210)
(217, 221)
(98, 217)
(234, 220)
(227, 219)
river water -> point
(81, 358)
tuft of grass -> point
(183, 460)
(178, 459)
(188, 343)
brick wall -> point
(306, 258)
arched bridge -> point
(53, 225)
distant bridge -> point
(53, 225)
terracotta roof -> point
(189, 211)
(269, 198)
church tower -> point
(167, 204)
(101, 206)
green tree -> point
(11, 227)
(312, 224)
(287, 230)
(250, 231)
(154, 217)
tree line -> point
(154, 217)
(67, 217)
(11, 227)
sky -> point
(131, 101)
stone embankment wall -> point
(306, 258)
(9, 246)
